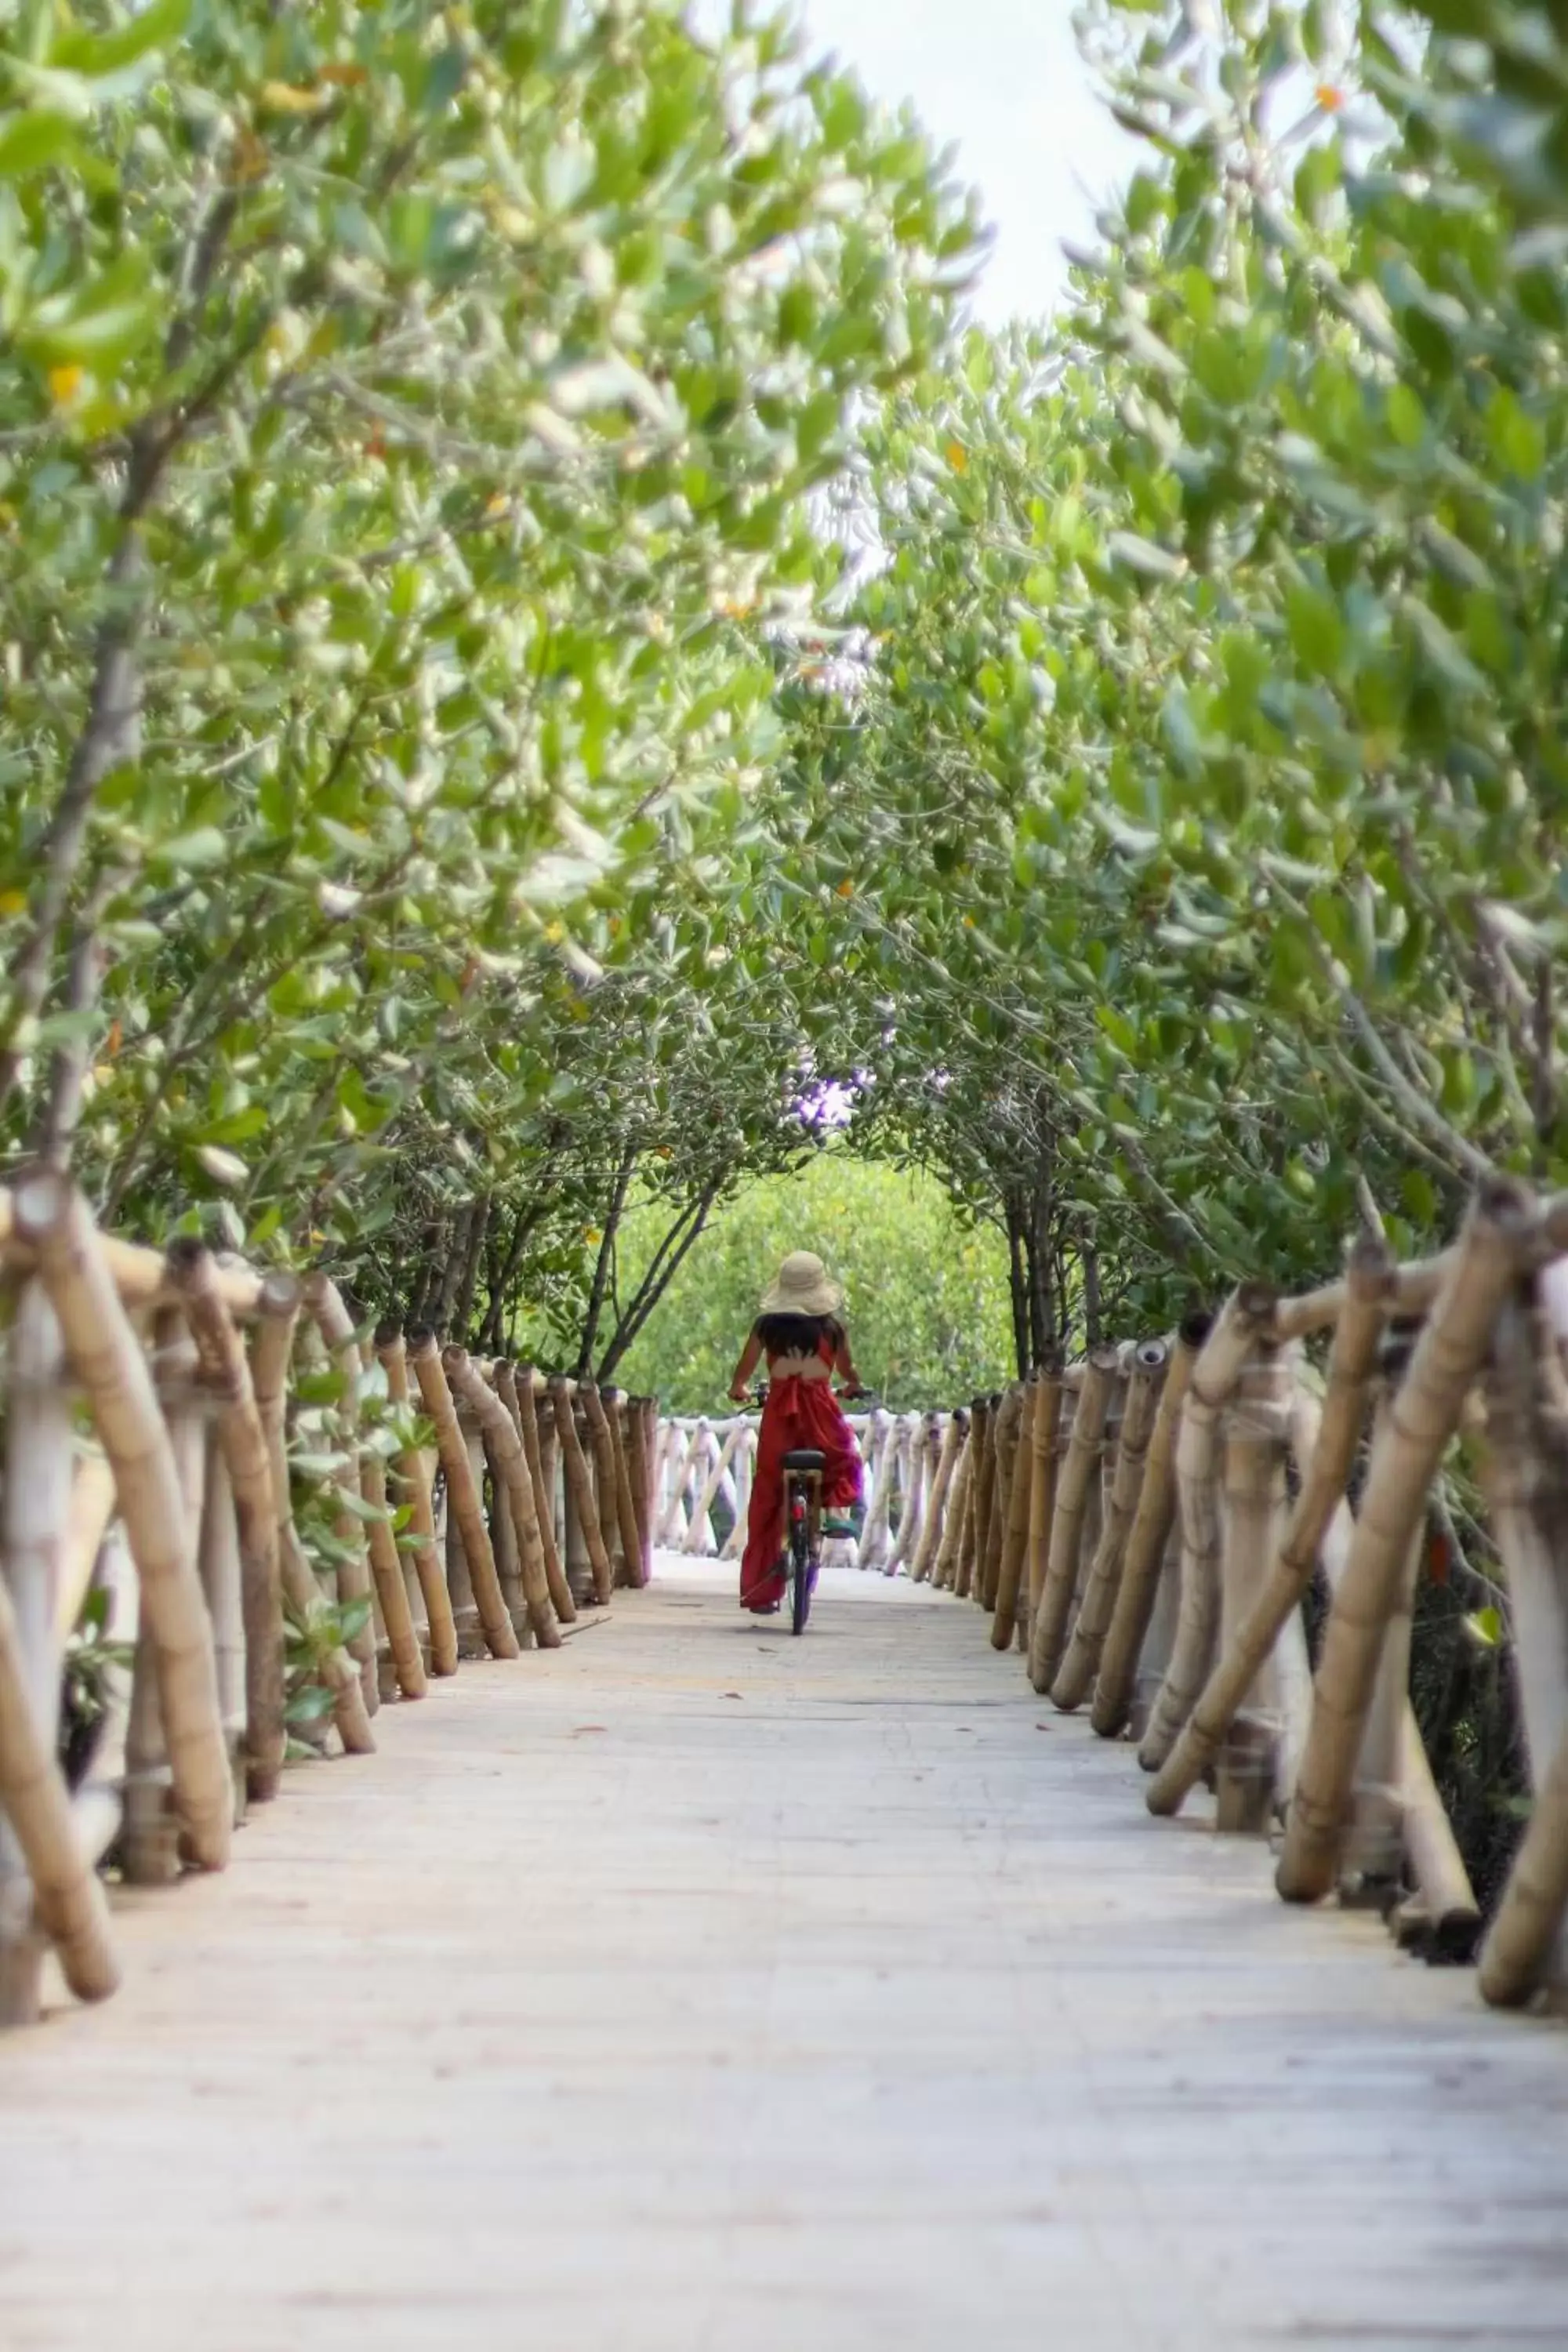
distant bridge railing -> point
(232, 1517)
(1145, 1528)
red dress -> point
(798, 1413)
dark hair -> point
(798, 1335)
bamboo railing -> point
(1145, 1527)
(151, 1477)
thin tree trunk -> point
(625, 1171)
(666, 1262)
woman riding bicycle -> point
(798, 1331)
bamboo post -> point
(37, 1512)
(635, 1448)
(1374, 1836)
(1147, 1544)
(1079, 1470)
(109, 1364)
(1005, 1450)
(924, 1561)
(944, 1570)
(616, 1410)
(463, 1501)
(579, 1486)
(1526, 1479)
(501, 1435)
(650, 1434)
(223, 1583)
(387, 1568)
(270, 1350)
(872, 1552)
(504, 1541)
(1211, 1385)
(1323, 1475)
(151, 1838)
(1525, 1468)
(1256, 1522)
(1045, 1462)
(325, 1304)
(471, 1642)
(980, 1501)
(412, 1488)
(1016, 1537)
(515, 1384)
(1447, 1357)
(242, 1440)
(1138, 1418)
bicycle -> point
(803, 1472)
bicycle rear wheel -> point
(799, 1574)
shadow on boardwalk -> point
(699, 1988)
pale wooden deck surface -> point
(699, 1991)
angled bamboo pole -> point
(932, 1533)
(581, 1487)
(515, 1384)
(722, 1455)
(500, 1434)
(271, 1350)
(617, 1409)
(1075, 1677)
(1323, 1475)
(1209, 1391)
(325, 1304)
(65, 1893)
(672, 1525)
(1047, 1634)
(1020, 1492)
(462, 1495)
(109, 1363)
(1520, 1944)
(412, 1488)
(88, 1519)
(226, 1374)
(1447, 1356)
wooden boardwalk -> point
(699, 1991)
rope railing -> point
(1143, 1527)
(153, 1408)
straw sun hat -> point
(802, 1286)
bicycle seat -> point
(806, 1460)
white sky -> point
(1003, 79)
